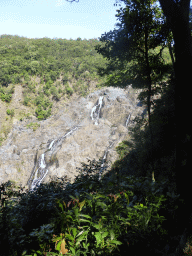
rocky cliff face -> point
(84, 128)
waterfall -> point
(128, 119)
(104, 159)
(51, 144)
(96, 110)
(42, 171)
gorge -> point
(84, 128)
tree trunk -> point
(177, 15)
(149, 84)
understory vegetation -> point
(114, 215)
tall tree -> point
(139, 33)
(177, 19)
(177, 15)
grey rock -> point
(21, 153)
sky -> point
(57, 18)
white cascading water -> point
(38, 174)
(51, 144)
(41, 171)
(104, 159)
(128, 119)
(96, 110)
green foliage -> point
(10, 112)
(6, 94)
(31, 87)
(42, 101)
(48, 84)
(16, 79)
(33, 126)
(65, 78)
(68, 90)
(42, 113)
(57, 83)
(135, 47)
(91, 215)
(27, 78)
(123, 148)
(5, 97)
(77, 85)
(4, 76)
(53, 91)
(49, 60)
(44, 106)
(138, 155)
(34, 66)
(26, 100)
(46, 91)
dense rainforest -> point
(141, 205)
(46, 72)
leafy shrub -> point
(48, 84)
(27, 77)
(5, 97)
(68, 90)
(26, 100)
(4, 77)
(47, 77)
(53, 91)
(60, 90)
(77, 85)
(16, 79)
(41, 80)
(34, 66)
(90, 216)
(11, 91)
(1, 140)
(53, 75)
(10, 112)
(2, 90)
(31, 87)
(43, 107)
(58, 83)
(65, 79)
(83, 90)
(39, 100)
(5, 94)
(46, 91)
(123, 148)
(33, 126)
(42, 113)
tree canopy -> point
(174, 25)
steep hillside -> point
(37, 76)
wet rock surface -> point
(84, 128)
